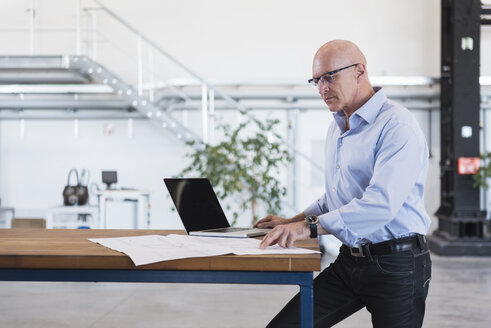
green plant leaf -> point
(244, 165)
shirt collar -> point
(369, 110)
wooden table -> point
(67, 255)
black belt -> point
(388, 247)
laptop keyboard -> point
(230, 229)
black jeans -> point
(393, 287)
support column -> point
(462, 225)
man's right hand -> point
(271, 221)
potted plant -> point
(480, 178)
(244, 166)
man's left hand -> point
(286, 234)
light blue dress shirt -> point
(375, 175)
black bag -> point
(77, 194)
(83, 190)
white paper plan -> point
(155, 248)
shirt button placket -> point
(336, 178)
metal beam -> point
(69, 115)
(55, 88)
(485, 11)
(41, 104)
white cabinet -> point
(6, 215)
(73, 217)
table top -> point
(71, 249)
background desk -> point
(67, 255)
(136, 218)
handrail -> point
(150, 42)
(386, 81)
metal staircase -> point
(73, 84)
(132, 96)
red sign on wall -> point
(468, 165)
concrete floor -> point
(460, 296)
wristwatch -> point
(312, 222)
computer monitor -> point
(109, 177)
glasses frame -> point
(315, 81)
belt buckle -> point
(357, 251)
(421, 239)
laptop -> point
(200, 211)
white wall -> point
(245, 39)
(277, 38)
(220, 40)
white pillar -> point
(211, 132)
(204, 111)
(140, 65)
(32, 12)
(93, 15)
(78, 36)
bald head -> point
(349, 87)
(336, 54)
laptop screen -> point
(196, 203)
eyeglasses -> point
(327, 77)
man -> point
(375, 169)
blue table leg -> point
(307, 305)
(303, 279)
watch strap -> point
(313, 230)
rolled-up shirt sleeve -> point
(318, 207)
